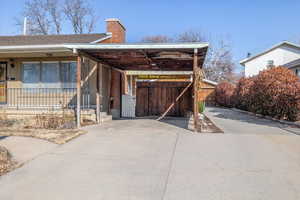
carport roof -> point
(127, 56)
(146, 56)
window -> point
(31, 73)
(68, 74)
(49, 74)
(298, 72)
(270, 64)
(129, 85)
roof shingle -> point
(49, 39)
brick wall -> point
(115, 27)
(118, 31)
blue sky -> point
(251, 25)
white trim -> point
(49, 62)
(210, 82)
(132, 72)
(47, 46)
(28, 62)
(133, 46)
(292, 64)
(67, 61)
(242, 62)
(74, 47)
(109, 35)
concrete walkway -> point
(24, 149)
(240, 123)
(146, 159)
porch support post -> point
(78, 84)
(98, 94)
(195, 80)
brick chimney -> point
(116, 28)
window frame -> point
(31, 85)
(69, 82)
(53, 84)
(40, 83)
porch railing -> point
(44, 98)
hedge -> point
(274, 92)
(224, 94)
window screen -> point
(31, 73)
(68, 74)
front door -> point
(3, 76)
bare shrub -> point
(49, 121)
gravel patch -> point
(6, 162)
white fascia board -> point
(109, 35)
(138, 46)
(292, 64)
(34, 48)
(242, 62)
(136, 72)
(70, 47)
(209, 81)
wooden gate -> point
(153, 98)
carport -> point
(142, 57)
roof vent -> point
(25, 26)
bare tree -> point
(52, 6)
(38, 20)
(219, 65)
(80, 15)
(48, 16)
(191, 36)
(157, 39)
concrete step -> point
(105, 117)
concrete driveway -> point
(240, 123)
(146, 159)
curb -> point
(267, 117)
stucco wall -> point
(280, 56)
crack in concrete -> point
(170, 167)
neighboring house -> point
(285, 54)
(86, 74)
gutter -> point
(133, 46)
(125, 46)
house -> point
(285, 54)
(87, 74)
